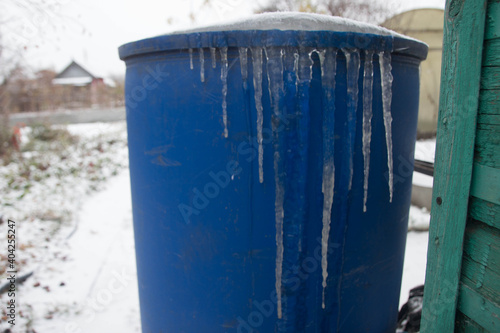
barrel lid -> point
(284, 29)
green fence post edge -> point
(460, 80)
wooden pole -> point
(460, 81)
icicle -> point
(213, 55)
(328, 59)
(223, 77)
(244, 65)
(270, 71)
(367, 119)
(304, 65)
(276, 91)
(386, 78)
(352, 63)
(191, 58)
(202, 65)
(274, 57)
(257, 86)
(296, 69)
(344, 182)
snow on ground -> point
(422, 180)
(416, 242)
(425, 150)
(75, 233)
(100, 291)
(420, 217)
(415, 262)
(68, 192)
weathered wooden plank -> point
(484, 211)
(491, 128)
(482, 244)
(492, 119)
(487, 147)
(466, 325)
(461, 69)
(484, 253)
(481, 260)
(490, 78)
(480, 278)
(493, 20)
(491, 53)
(486, 183)
(483, 311)
(489, 102)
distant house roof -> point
(74, 74)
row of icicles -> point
(327, 58)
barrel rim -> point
(280, 38)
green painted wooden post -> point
(460, 82)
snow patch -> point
(295, 21)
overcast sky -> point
(90, 31)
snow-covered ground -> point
(70, 199)
(416, 242)
(424, 151)
(75, 233)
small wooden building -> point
(462, 287)
(81, 88)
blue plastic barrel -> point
(271, 177)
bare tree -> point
(25, 25)
(371, 11)
(5, 131)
